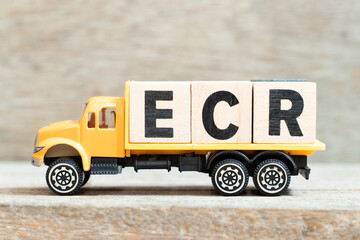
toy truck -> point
(232, 131)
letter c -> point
(208, 115)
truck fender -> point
(227, 154)
(278, 155)
(51, 142)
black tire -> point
(64, 176)
(230, 177)
(271, 177)
(86, 178)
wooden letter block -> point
(221, 112)
(284, 112)
(160, 112)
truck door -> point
(100, 137)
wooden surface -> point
(55, 55)
(161, 205)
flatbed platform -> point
(291, 148)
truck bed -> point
(291, 148)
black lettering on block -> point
(208, 115)
(152, 113)
(289, 116)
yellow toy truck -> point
(263, 129)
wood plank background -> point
(55, 55)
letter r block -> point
(221, 112)
(284, 112)
(159, 112)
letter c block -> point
(221, 112)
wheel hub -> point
(63, 178)
(272, 177)
(230, 178)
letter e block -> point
(284, 112)
(160, 112)
(221, 112)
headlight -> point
(37, 149)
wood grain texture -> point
(54, 56)
(162, 205)
(236, 112)
(23, 222)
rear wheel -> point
(230, 177)
(271, 177)
(64, 176)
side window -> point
(91, 120)
(107, 118)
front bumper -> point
(36, 162)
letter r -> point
(289, 116)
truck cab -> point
(99, 133)
(102, 127)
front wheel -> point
(230, 177)
(271, 177)
(64, 176)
